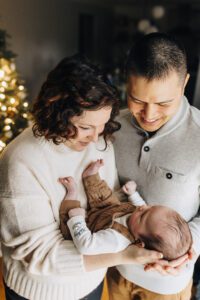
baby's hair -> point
(176, 239)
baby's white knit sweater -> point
(30, 197)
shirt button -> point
(146, 148)
(169, 175)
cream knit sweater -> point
(30, 197)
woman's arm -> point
(131, 255)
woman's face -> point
(89, 126)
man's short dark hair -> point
(155, 55)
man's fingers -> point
(174, 263)
(162, 270)
(179, 261)
(172, 271)
(191, 253)
(157, 268)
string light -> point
(8, 134)
(3, 108)
(13, 104)
(4, 84)
(2, 145)
(12, 100)
(2, 73)
(21, 87)
(25, 104)
(6, 128)
(8, 121)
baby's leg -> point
(98, 192)
(93, 168)
(67, 204)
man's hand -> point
(173, 267)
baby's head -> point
(161, 228)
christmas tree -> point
(14, 109)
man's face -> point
(148, 219)
(153, 103)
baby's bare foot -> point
(71, 188)
(93, 168)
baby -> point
(111, 225)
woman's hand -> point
(134, 254)
(173, 267)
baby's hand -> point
(129, 188)
(76, 212)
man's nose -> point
(150, 111)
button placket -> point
(144, 156)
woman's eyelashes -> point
(84, 128)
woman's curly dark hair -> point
(75, 85)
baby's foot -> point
(93, 168)
(129, 188)
(70, 185)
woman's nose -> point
(95, 136)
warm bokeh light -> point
(14, 108)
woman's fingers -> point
(144, 256)
(133, 254)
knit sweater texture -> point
(166, 168)
(30, 197)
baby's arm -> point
(88, 243)
(134, 197)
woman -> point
(74, 120)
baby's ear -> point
(139, 243)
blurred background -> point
(43, 32)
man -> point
(158, 147)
